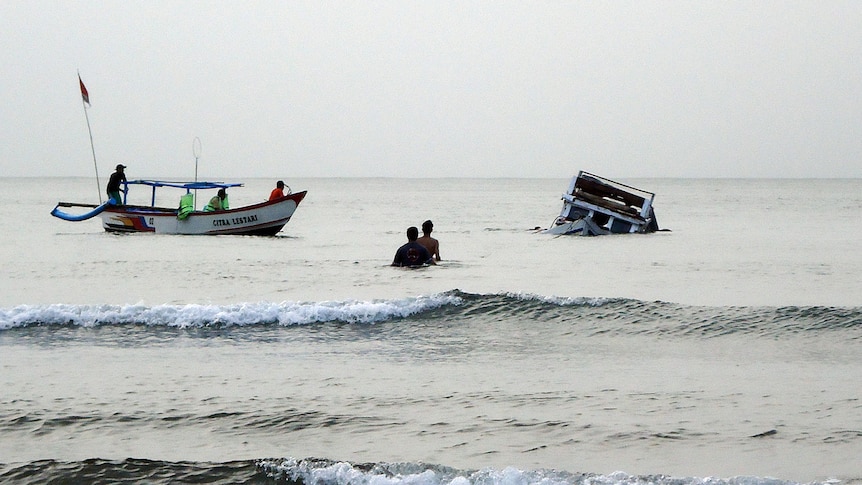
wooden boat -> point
(262, 219)
(595, 205)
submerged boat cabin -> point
(595, 205)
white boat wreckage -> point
(595, 206)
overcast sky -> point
(433, 89)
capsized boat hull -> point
(596, 206)
(263, 219)
(580, 227)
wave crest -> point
(326, 472)
(241, 314)
(584, 315)
(312, 471)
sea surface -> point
(727, 350)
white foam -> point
(560, 300)
(342, 473)
(284, 313)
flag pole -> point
(85, 100)
(196, 149)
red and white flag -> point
(84, 93)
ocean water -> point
(726, 350)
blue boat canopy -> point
(188, 186)
(183, 185)
(183, 212)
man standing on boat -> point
(114, 182)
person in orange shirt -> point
(278, 191)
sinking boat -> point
(262, 219)
(595, 205)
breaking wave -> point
(586, 316)
(327, 472)
(242, 314)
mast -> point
(196, 149)
(85, 102)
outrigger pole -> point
(85, 101)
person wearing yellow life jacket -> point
(218, 202)
(187, 206)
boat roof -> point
(184, 185)
(582, 175)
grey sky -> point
(512, 89)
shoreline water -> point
(732, 243)
(672, 354)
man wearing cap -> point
(117, 177)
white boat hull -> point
(266, 218)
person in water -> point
(118, 177)
(278, 191)
(431, 244)
(218, 202)
(412, 253)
